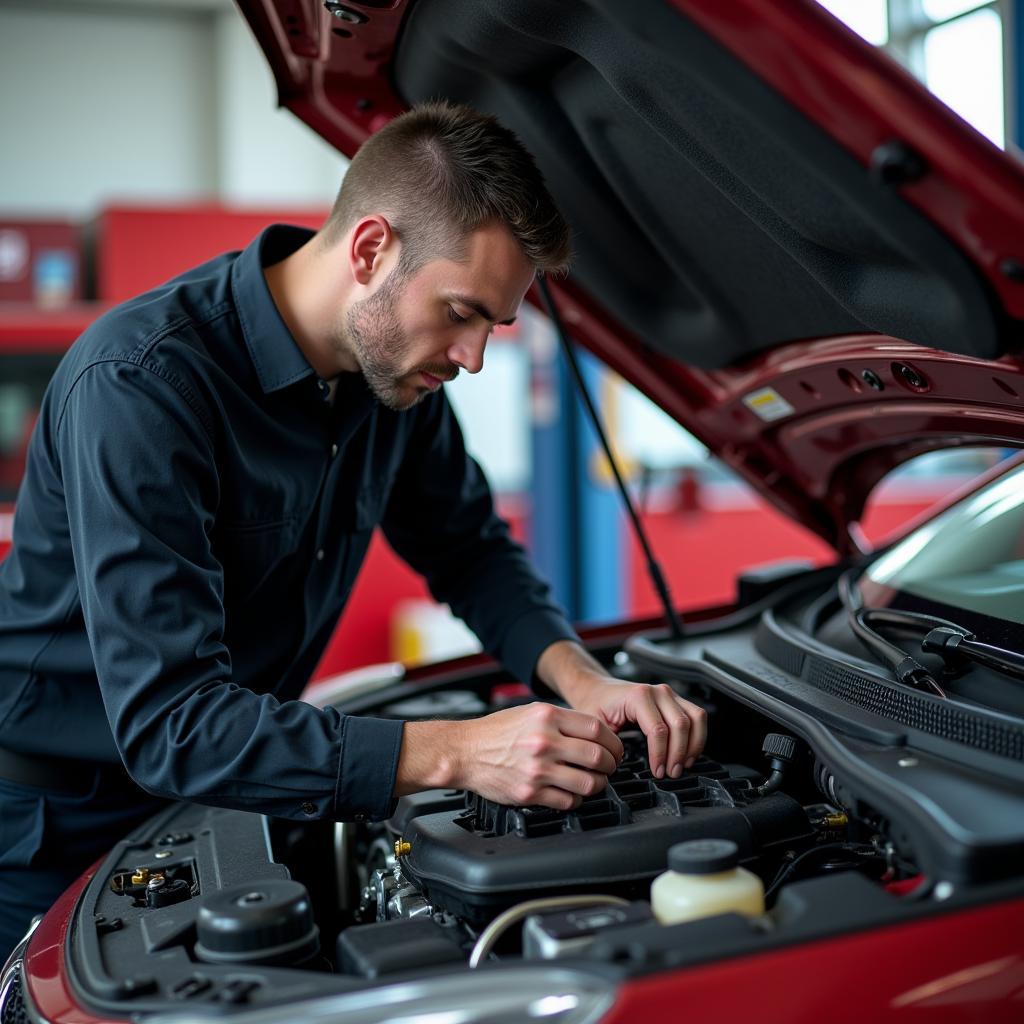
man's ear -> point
(369, 241)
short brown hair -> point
(441, 170)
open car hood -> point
(781, 237)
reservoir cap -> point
(703, 856)
(264, 922)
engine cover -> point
(479, 858)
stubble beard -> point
(375, 337)
(373, 333)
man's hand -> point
(676, 729)
(535, 754)
(541, 754)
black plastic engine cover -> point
(488, 857)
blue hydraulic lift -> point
(1013, 26)
(576, 521)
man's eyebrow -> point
(479, 307)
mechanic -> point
(209, 465)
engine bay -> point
(849, 821)
(475, 859)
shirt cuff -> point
(367, 768)
(527, 639)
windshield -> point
(971, 556)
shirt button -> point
(322, 385)
(309, 808)
(334, 450)
(320, 555)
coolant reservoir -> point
(704, 878)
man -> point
(210, 461)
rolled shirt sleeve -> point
(138, 463)
(440, 518)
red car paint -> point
(912, 972)
(965, 967)
(45, 971)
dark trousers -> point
(48, 838)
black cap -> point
(703, 856)
(777, 744)
(266, 922)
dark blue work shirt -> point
(192, 519)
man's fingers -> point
(587, 727)
(575, 781)
(679, 725)
(590, 756)
(649, 718)
(688, 729)
(698, 730)
(559, 799)
(676, 729)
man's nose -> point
(468, 351)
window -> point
(954, 46)
(921, 484)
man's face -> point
(413, 334)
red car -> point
(819, 271)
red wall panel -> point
(703, 550)
(138, 248)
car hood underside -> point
(780, 236)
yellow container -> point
(704, 878)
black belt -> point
(57, 774)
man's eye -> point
(454, 317)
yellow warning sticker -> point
(768, 404)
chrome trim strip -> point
(12, 969)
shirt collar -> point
(278, 359)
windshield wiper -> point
(951, 642)
(907, 669)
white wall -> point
(99, 105)
(107, 101)
(493, 409)
(266, 155)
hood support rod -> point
(675, 623)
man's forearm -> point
(430, 757)
(567, 668)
